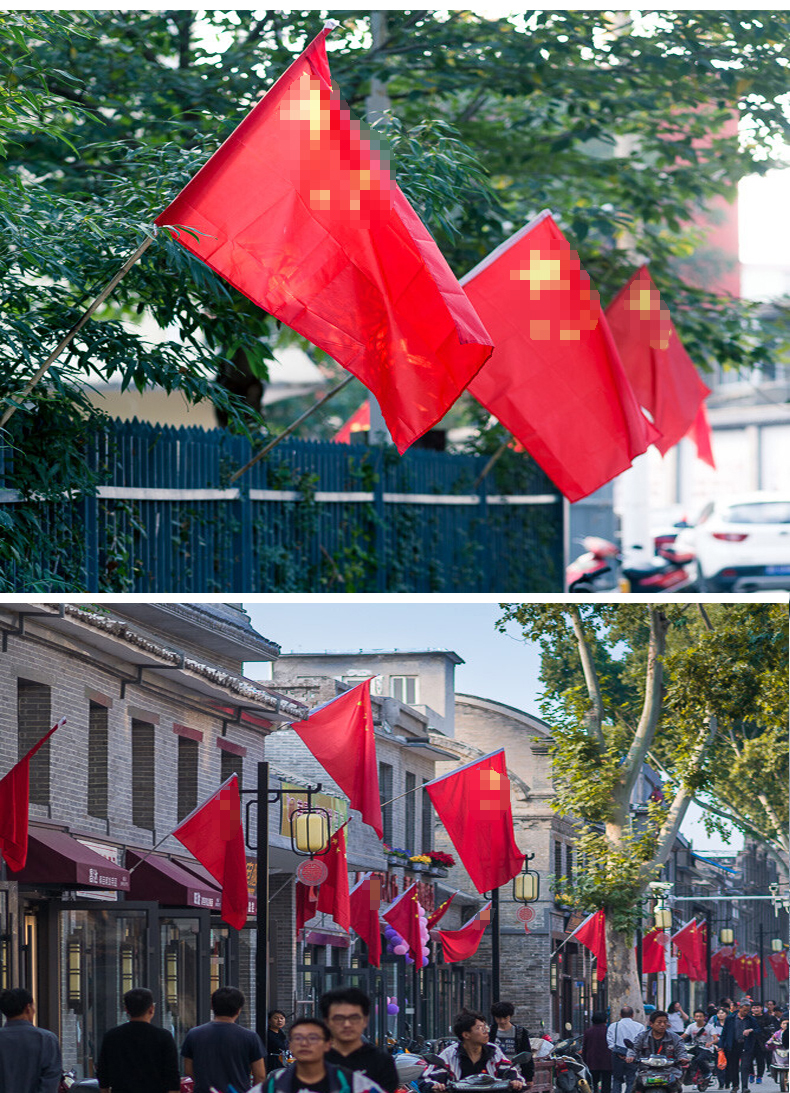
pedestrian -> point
(30, 1060)
(722, 1013)
(138, 1057)
(738, 1037)
(222, 1053)
(513, 1039)
(470, 1054)
(276, 1041)
(346, 1010)
(678, 1018)
(626, 1028)
(596, 1054)
(309, 1041)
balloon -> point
(401, 949)
(409, 959)
(393, 1008)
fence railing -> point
(311, 517)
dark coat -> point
(727, 1038)
(595, 1051)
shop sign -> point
(109, 853)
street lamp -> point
(726, 936)
(526, 884)
(309, 831)
(777, 945)
(662, 916)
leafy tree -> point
(672, 685)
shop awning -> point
(203, 874)
(54, 857)
(158, 878)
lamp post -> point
(309, 836)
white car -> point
(741, 543)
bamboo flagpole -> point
(15, 400)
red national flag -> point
(555, 379)
(213, 834)
(306, 904)
(654, 957)
(333, 893)
(592, 934)
(661, 372)
(440, 911)
(742, 972)
(689, 943)
(701, 435)
(365, 903)
(473, 803)
(340, 736)
(359, 422)
(722, 958)
(463, 943)
(299, 212)
(404, 916)
(14, 807)
(779, 966)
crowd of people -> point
(329, 1053)
(740, 1037)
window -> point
(569, 863)
(143, 759)
(386, 794)
(34, 718)
(411, 813)
(98, 760)
(187, 776)
(427, 820)
(404, 688)
(558, 870)
(230, 764)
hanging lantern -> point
(777, 945)
(726, 936)
(526, 884)
(310, 831)
(662, 916)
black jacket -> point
(522, 1045)
(378, 1065)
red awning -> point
(158, 878)
(203, 874)
(54, 857)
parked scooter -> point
(600, 569)
(701, 1068)
(571, 1074)
(597, 570)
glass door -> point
(184, 971)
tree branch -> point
(590, 676)
(651, 707)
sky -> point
(497, 666)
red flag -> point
(365, 902)
(298, 211)
(701, 435)
(653, 951)
(473, 803)
(463, 943)
(306, 904)
(779, 966)
(440, 911)
(592, 934)
(745, 971)
(661, 372)
(333, 893)
(722, 958)
(404, 916)
(359, 422)
(340, 736)
(555, 379)
(688, 941)
(213, 834)
(14, 807)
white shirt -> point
(707, 1035)
(620, 1031)
(676, 1022)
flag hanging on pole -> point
(440, 911)
(592, 934)
(779, 966)
(359, 422)
(15, 805)
(473, 803)
(700, 433)
(654, 957)
(299, 212)
(333, 892)
(555, 379)
(365, 903)
(688, 942)
(306, 904)
(463, 943)
(403, 915)
(213, 834)
(340, 736)
(660, 370)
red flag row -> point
(326, 241)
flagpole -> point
(69, 337)
(494, 459)
(294, 425)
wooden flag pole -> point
(69, 337)
(294, 425)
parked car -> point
(741, 543)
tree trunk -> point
(623, 987)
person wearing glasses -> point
(347, 1012)
(309, 1041)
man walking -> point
(309, 1041)
(138, 1057)
(623, 1073)
(221, 1053)
(738, 1039)
(346, 1011)
(29, 1056)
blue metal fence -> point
(310, 517)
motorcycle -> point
(596, 570)
(780, 1057)
(701, 1069)
(601, 569)
(571, 1074)
(476, 1083)
(657, 1074)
